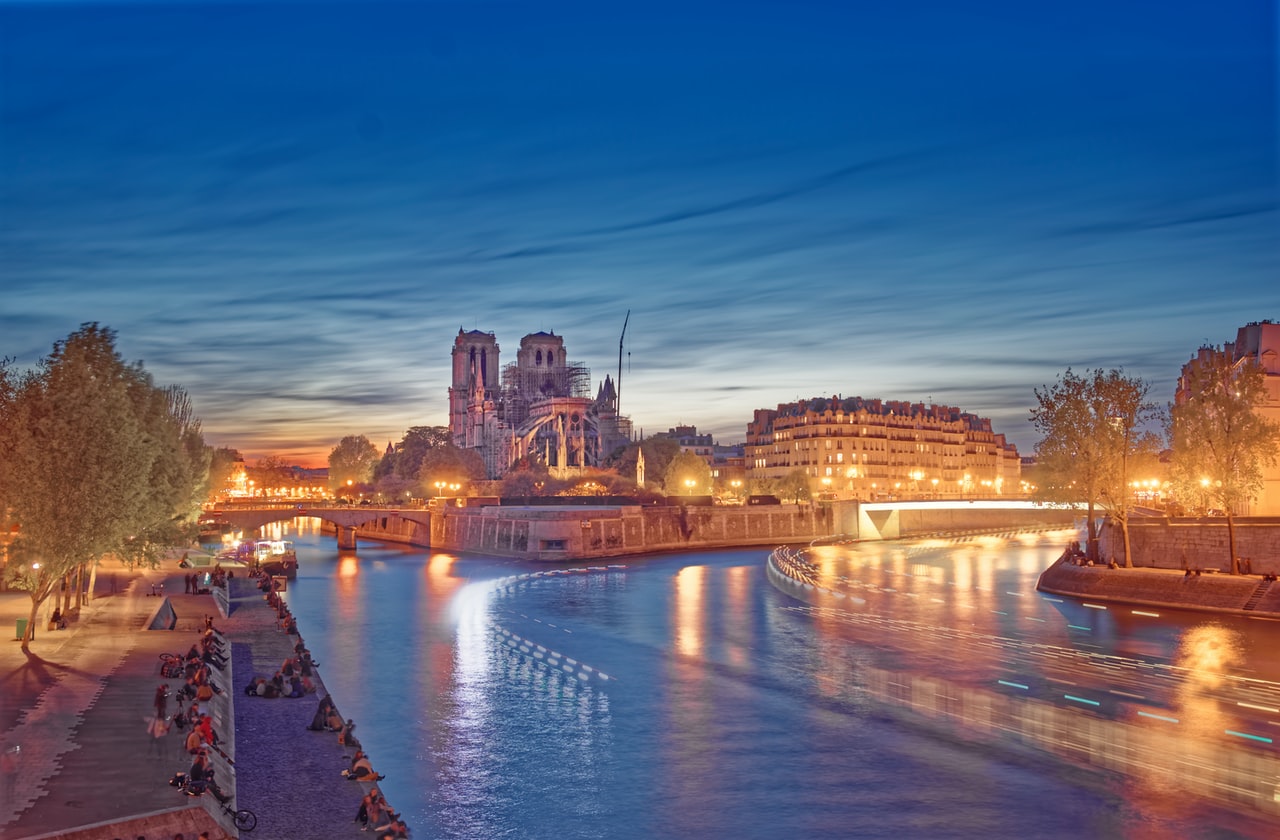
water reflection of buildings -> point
(1176, 737)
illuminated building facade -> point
(1260, 343)
(539, 411)
(876, 449)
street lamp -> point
(690, 484)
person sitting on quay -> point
(372, 809)
(300, 686)
(212, 653)
(361, 770)
(320, 721)
(347, 735)
(56, 621)
(194, 742)
(202, 775)
(206, 730)
(211, 641)
(188, 690)
(393, 829)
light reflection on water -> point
(728, 712)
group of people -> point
(294, 678)
(216, 577)
(198, 688)
(376, 815)
(284, 618)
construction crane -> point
(620, 340)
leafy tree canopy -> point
(686, 474)
(449, 464)
(353, 459)
(94, 460)
(1092, 436)
(793, 487)
(1219, 440)
(405, 459)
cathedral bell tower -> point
(475, 379)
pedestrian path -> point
(78, 707)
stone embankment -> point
(289, 776)
(1211, 591)
(74, 712)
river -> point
(684, 696)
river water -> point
(683, 696)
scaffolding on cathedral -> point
(523, 386)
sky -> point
(291, 208)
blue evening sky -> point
(290, 208)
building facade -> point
(855, 448)
(535, 410)
(1258, 342)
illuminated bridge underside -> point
(250, 519)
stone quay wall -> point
(556, 533)
(1196, 543)
(586, 533)
(1147, 587)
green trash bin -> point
(21, 629)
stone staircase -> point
(1260, 591)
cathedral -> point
(537, 409)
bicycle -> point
(244, 819)
(171, 666)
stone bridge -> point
(563, 528)
(345, 518)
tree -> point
(223, 464)
(406, 456)
(94, 460)
(794, 486)
(449, 464)
(658, 452)
(1219, 441)
(353, 459)
(525, 482)
(686, 474)
(1129, 449)
(269, 473)
(1091, 427)
(179, 480)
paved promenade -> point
(78, 704)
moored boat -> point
(277, 557)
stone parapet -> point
(556, 533)
(1195, 543)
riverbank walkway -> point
(79, 763)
